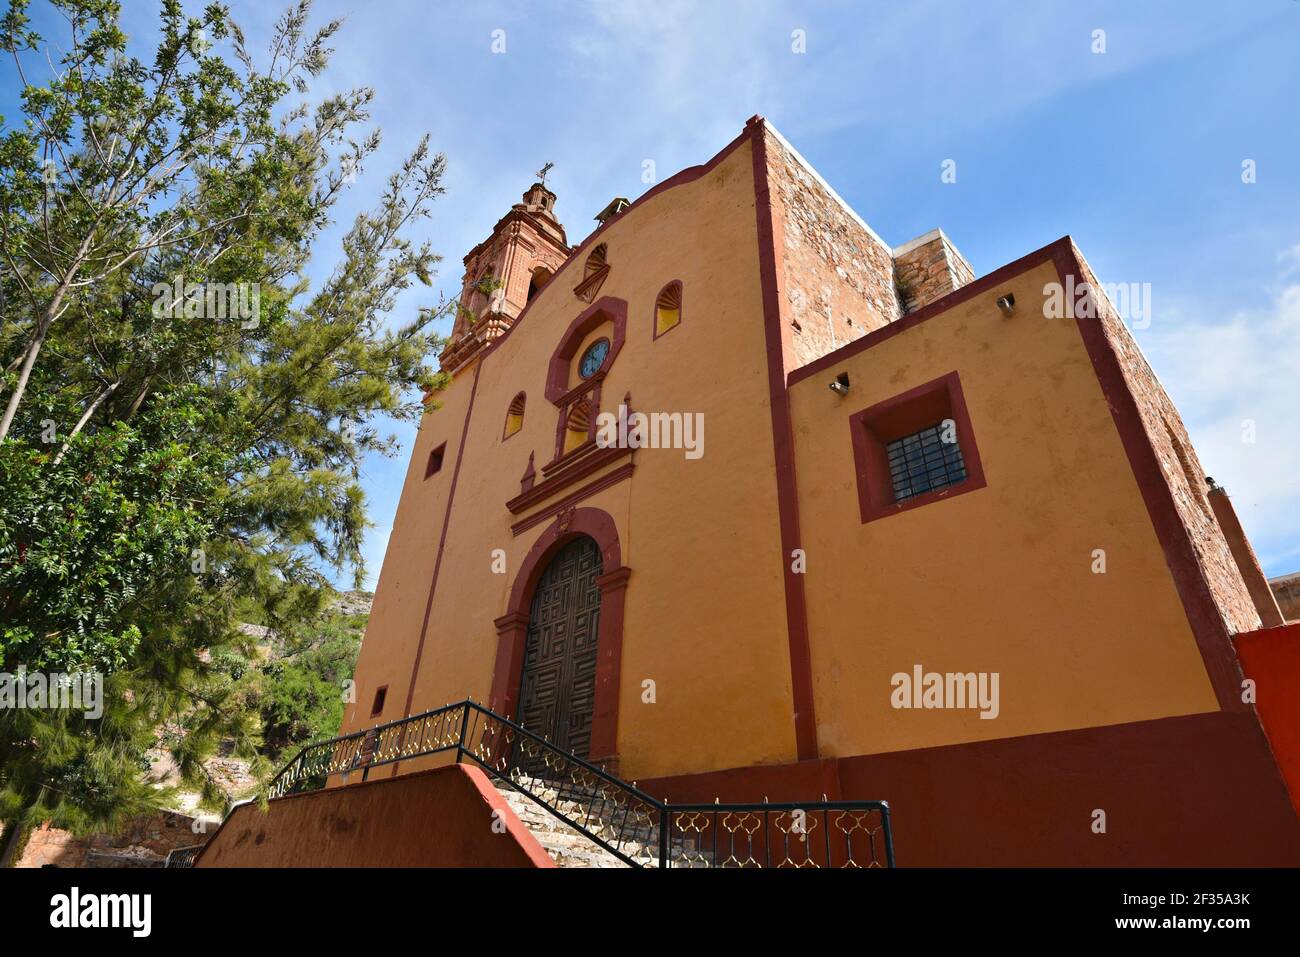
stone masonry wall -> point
(838, 276)
(929, 270)
(1182, 470)
(1286, 589)
(143, 840)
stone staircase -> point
(539, 781)
(569, 847)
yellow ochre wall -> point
(402, 590)
(996, 580)
(705, 613)
(999, 579)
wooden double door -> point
(557, 691)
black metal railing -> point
(183, 856)
(619, 817)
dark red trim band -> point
(586, 492)
(1203, 616)
(554, 483)
(572, 458)
(442, 544)
(1159, 781)
(930, 310)
(796, 610)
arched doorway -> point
(557, 688)
(569, 525)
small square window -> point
(435, 460)
(915, 448)
(925, 461)
(378, 708)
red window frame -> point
(874, 427)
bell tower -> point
(526, 247)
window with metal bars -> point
(924, 462)
(899, 453)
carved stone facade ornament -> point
(565, 518)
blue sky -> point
(1137, 152)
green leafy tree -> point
(185, 412)
(302, 686)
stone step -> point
(569, 847)
(565, 845)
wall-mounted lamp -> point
(1007, 304)
(841, 384)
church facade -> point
(739, 501)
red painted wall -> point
(439, 818)
(1194, 791)
(1272, 658)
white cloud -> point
(1225, 375)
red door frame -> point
(512, 627)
